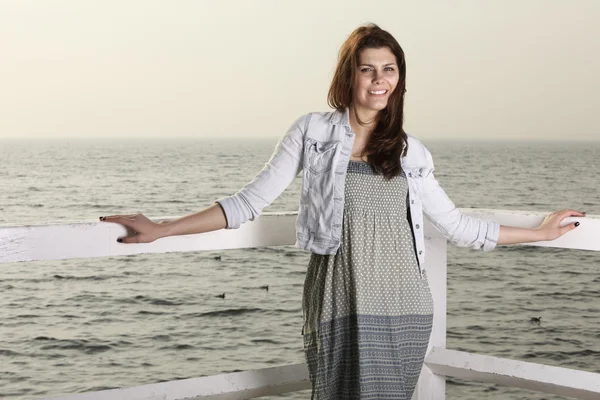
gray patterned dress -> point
(367, 311)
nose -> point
(377, 78)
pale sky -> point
(492, 69)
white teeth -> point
(377, 91)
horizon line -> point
(123, 138)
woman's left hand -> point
(551, 228)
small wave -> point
(161, 337)
(70, 316)
(475, 328)
(75, 344)
(84, 278)
(178, 347)
(83, 297)
(102, 206)
(525, 288)
(267, 341)
(571, 341)
(224, 313)
(492, 296)
(582, 353)
(103, 321)
(456, 335)
(569, 295)
(156, 301)
(144, 312)
(570, 272)
(100, 388)
(454, 382)
(562, 355)
(6, 352)
(286, 311)
(36, 280)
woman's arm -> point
(465, 231)
(550, 229)
(232, 211)
(281, 170)
(146, 231)
(460, 229)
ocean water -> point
(91, 324)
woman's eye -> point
(389, 69)
(365, 70)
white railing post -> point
(432, 386)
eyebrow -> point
(371, 65)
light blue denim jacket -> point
(319, 145)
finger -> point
(128, 222)
(129, 239)
(572, 213)
(568, 227)
(112, 217)
(116, 218)
(139, 238)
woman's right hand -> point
(144, 230)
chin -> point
(378, 106)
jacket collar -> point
(341, 117)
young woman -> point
(366, 187)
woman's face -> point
(376, 78)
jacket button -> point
(417, 226)
(420, 252)
(412, 202)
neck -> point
(367, 117)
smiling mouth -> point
(377, 92)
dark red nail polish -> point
(576, 223)
(102, 218)
(120, 240)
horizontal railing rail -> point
(97, 239)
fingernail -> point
(121, 240)
(102, 218)
(583, 213)
(576, 223)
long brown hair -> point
(384, 147)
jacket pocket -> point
(318, 155)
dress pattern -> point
(368, 312)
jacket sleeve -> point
(277, 174)
(461, 230)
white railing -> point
(94, 239)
